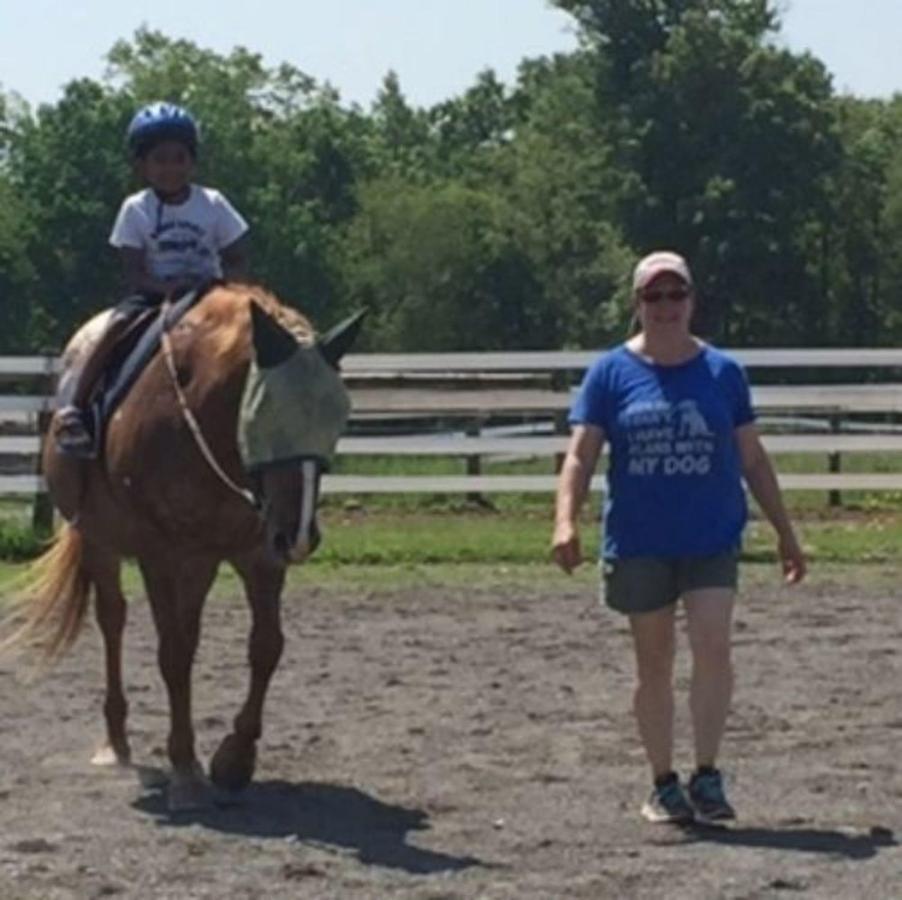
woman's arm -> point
(762, 481)
(573, 485)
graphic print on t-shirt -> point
(667, 439)
(183, 249)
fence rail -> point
(369, 401)
(472, 389)
(539, 446)
(355, 364)
(29, 485)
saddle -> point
(135, 350)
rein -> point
(190, 419)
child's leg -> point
(72, 434)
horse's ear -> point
(338, 340)
(272, 343)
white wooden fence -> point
(474, 389)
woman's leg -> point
(653, 639)
(709, 613)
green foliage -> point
(440, 269)
(17, 276)
(561, 184)
(19, 542)
(505, 217)
(67, 178)
(731, 142)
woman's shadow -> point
(803, 840)
(314, 812)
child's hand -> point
(178, 286)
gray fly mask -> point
(293, 411)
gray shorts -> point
(646, 583)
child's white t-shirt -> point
(180, 241)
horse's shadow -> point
(803, 840)
(326, 814)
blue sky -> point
(436, 46)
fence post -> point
(42, 511)
(834, 460)
(560, 381)
(474, 462)
(560, 427)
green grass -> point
(514, 529)
(379, 537)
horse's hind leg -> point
(103, 567)
(233, 763)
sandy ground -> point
(451, 740)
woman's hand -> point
(792, 558)
(573, 483)
(565, 547)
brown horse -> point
(215, 454)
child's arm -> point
(234, 259)
(138, 280)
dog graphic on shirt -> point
(692, 423)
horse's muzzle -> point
(290, 549)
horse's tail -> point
(47, 615)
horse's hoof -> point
(151, 778)
(189, 791)
(232, 766)
(107, 755)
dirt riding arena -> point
(471, 739)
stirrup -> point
(72, 437)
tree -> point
(401, 143)
(732, 142)
(470, 129)
(68, 177)
(440, 270)
(17, 277)
(563, 187)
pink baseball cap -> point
(650, 267)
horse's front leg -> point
(177, 590)
(233, 763)
(103, 566)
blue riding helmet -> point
(160, 122)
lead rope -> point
(188, 416)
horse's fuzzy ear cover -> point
(273, 345)
(337, 341)
(294, 404)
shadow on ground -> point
(803, 840)
(318, 813)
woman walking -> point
(677, 416)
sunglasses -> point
(676, 295)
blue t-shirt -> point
(674, 482)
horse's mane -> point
(225, 310)
(287, 316)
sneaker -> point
(72, 435)
(707, 795)
(668, 803)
